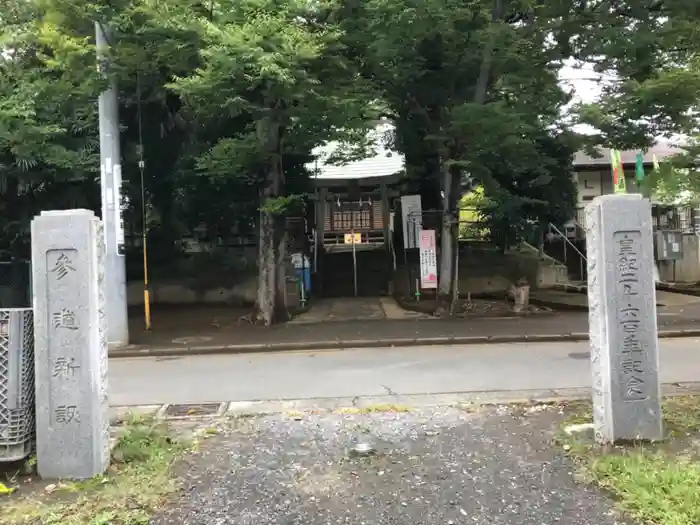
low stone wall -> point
(225, 275)
(489, 272)
(242, 293)
(480, 272)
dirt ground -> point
(446, 465)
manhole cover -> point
(192, 340)
(207, 409)
(580, 355)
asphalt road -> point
(373, 371)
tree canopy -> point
(225, 101)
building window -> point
(588, 184)
(588, 197)
(351, 219)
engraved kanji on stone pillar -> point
(70, 345)
(622, 319)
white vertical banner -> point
(412, 219)
(695, 220)
(118, 216)
(428, 260)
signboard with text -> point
(428, 260)
(412, 219)
(353, 238)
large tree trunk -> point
(281, 310)
(446, 240)
(449, 238)
(267, 270)
(271, 305)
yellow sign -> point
(353, 238)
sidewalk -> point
(206, 331)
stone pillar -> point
(70, 330)
(622, 319)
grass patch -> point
(652, 487)
(682, 416)
(137, 483)
(656, 483)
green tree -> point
(476, 93)
(220, 99)
(648, 55)
(676, 180)
(47, 120)
(470, 95)
(277, 66)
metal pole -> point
(111, 181)
(455, 281)
(354, 261)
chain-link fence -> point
(672, 218)
(664, 218)
(468, 221)
(206, 260)
(472, 233)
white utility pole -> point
(111, 182)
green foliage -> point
(532, 194)
(471, 214)
(225, 101)
(199, 86)
(265, 64)
(444, 118)
(649, 54)
(677, 179)
(652, 488)
(651, 482)
(48, 120)
(139, 482)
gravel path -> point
(437, 466)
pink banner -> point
(428, 260)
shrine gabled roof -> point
(389, 163)
(384, 163)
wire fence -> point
(681, 219)
(468, 222)
(471, 233)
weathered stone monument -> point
(622, 319)
(72, 419)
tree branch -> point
(421, 109)
(485, 70)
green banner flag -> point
(639, 167)
(618, 172)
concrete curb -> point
(181, 351)
(385, 402)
